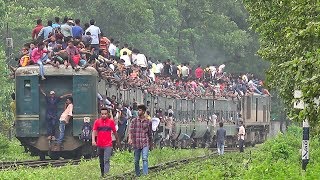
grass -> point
(15, 152)
(121, 162)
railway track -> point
(12, 165)
(171, 164)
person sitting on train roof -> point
(73, 56)
(52, 111)
(40, 56)
(25, 59)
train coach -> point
(31, 125)
(195, 123)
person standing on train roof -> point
(221, 135)
(140, 137)
(241, 134)
(65, 118)
(101, 137)
(52, 111)
(95, 34)
(37, 29)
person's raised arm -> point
(42, 91)
(66, 95)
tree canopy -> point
(289, 39)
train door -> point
(84, 101)
(27, 106)
(61, 85)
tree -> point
(289, 37)
(6, 114)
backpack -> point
(86, 132)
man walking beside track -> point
(140, 137)
(102, 129)
(241, 134)
(221, 135)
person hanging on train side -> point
(52, 111)
(65, 117)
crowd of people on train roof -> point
(69, 44)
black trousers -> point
(241, 142)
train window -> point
(248, 107)
(27, 88)
(264, 113)
(257, 103)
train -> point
(193, 117)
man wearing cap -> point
(140, 137)
(52, 111)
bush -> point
(4, 144)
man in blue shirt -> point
(45, 32)
(52, 111)
(77, 30)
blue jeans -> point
(220, 148)
(51, 123)
(104, 159)
(137, 154)
(40, 63)
(62, 128)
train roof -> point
(49, 70)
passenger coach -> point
(31, 126)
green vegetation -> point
(6, 114)
(289, 40)
(121, 162)
(278, 158)
(12, 150)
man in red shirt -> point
(37, 29)
(102, 129)
(140, 137)
(199, 72)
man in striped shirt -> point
(140, 137)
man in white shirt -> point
(184, 71)
(241, 134)
(126, 59)
(95, 34)
(159, 68)
(139, 59)
(112, 49)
